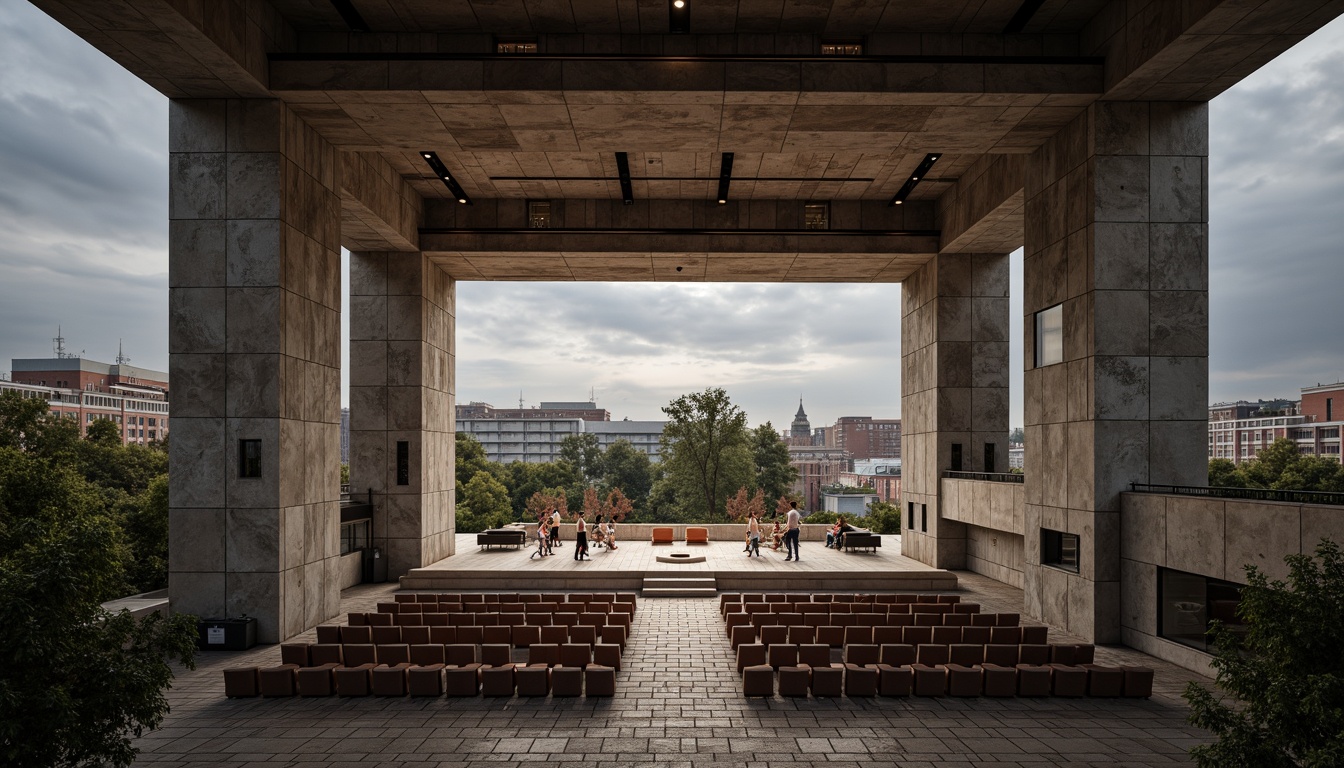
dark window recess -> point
(516, 46)
(354, 536)
(1059, 550)
(910, 516)
(1329, 409)
(1188, 603)
(989, 456)
(539, 214)
(403, 462)
(956, 457)
(842, 48)
(249, 458)
(817, 216)
(924, 518)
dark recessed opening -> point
(249, 458)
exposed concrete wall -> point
(1117, 233)
(954, 394)
(992, 513)
(1210, 537)
(351, 569)
(254, 354)
(401, 390)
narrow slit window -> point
(842, 48)
(516, 46)
(403, 462)
(249, 458)
(1050, 336)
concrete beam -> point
(1159, 50)
(380, 212)
(184, 50)
(982, 212)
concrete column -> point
(954, 391)
(1116, 230)
(401, 403)
(254, 355)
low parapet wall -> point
(993, 514)
(717, 531)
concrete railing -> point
(717, 531)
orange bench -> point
(697, 535)
(662, 536)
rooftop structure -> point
(135, 399)
(1239, 431)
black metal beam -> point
(679, 16)
(925, 166)
(350, 14)
(441, 172)
(623, 168)
(1023, 16)
(725, 177)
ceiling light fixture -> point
(623, 168)
(725, 177)
(909, 186)
(441, 170)
(679, 17)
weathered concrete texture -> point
(1217, 538)
(982, 212)
(380, 211)
(254, 296)
(954, 359)
(1116, 232)
(401, 390)
(992, 512)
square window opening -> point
(1059, 550)
(1050, 336)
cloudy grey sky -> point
(83, 212)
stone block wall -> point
(992, 514)
(1116, 232)
(254, 354)
(1217, 538)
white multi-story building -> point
(538, 440)
(1239, 431)
(140, 414)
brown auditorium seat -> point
(931, 654)
(436, 619)
(956, 620)
(758, 680)
(566, 681)
(388, 607)
(1009, 619)
(599, 680)
(356, 619)
(386, 635)
(470, 635)
(773, 635)
(1066, 680)
(831, 635)
(929, 680)
(362, 635)
(742, 633)
(782, 655)
(894, 680)
(794, 681)
(464, 680)
(827, 679)
(858, 635)
(404, 597)
(984, 619)
(1084, 653)
(378, 619)
(497, 680)
(443, 635)
(1005, 635)
(277, 681)
(976, 635)
(1063, 654)
(999, 680)
(1033, 654)
(497, 635)
(415, 635)
(352, 677)
(299, 654)
(946, 635)
(966, 608)
(241, 682)
(1035, 635)
(861, 669)
(900, 620)
(576, 655)
(524, 635)
(532, 680)
(607, 655)
(325, 653)
(802, 634)
(389, 677)
(917, 636)
(543, 653)
(750, 655)
(1138, 682)
(555, 635)
(1103, 681)
(328, 633)
(583, 634)
(1033, 680)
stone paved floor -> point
(678, 703)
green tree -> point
(707, 451)
(1311, 473)
(145, 521)
(629, 469)
(884, 517)
(469, 458)
(774, 474)
(584, 454)
(1017, 435)
(1285, 672)
(526, 479)
(1224, 474)
(103, 432)
(483, 503)
(77, 682)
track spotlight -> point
(442, 172)
(913, 181)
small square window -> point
(838, 48)
(1059, 550)
(249, 458)
(516, 46)
(817, 216)
(539, 214)
(1050, 336)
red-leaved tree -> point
(592, 506)
(783, 506)
(542, 502)
(617, 506)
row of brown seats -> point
(514, 597)
(516, 635)
(512, 607)
(842, 636)
(841, 608)
(429, 670)
(938, 670)
(872, 620)
(837, 597)
(538, 618)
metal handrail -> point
(993, 477)
(1254, 494)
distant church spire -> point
(801, 427)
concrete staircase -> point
(680, 586)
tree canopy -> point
(774, 474)
(1284, 672)
(706, 451)
(1279, 466)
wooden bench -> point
(697, 535)
(662, 536)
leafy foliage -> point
(482, 504)
(584, 454)
(628, 469)
(743, 505)
(617, 506)
(1281, 467)
(706, 451)
(1286, 672)
(884, 517)
(774, 474)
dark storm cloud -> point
(83, 206)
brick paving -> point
(678, 703)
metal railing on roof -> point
(1253, 494)
(993, 477)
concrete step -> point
(679, 586)
(679, 592)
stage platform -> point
(725, 568)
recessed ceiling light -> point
(462, 200)
(897, 202)
(679, 4)
(441, 171)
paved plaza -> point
(678, 702)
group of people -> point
(548, 535)
(839, 529)
(785, 534)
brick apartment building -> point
(864, 437)
(133, 398)
(1239, 431)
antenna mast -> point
(59, 344)
(121, 358)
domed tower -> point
(801, 427)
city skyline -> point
(87, 249)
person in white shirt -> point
(753, 535)
(792, 528)
(555, 528)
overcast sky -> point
(83, 213)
